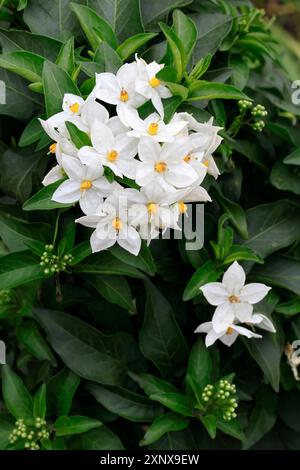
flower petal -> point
(73, 167)
(234, 279)
(223, 317)
(254, 292)
(215, 293)
(204, 327)
(263, 322)
(243, 311)
(100, 244)
(102, 137)
(67, 193)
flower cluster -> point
(163, 163)
(220, 399)
(234, 301)
(29, 436)
(258, 113)
(52, 263)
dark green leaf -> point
(163, 424)
(25, 64)
(16, 396)
(206, 273)
(29, 335)
(78, 137)
(203, 90)
(42, 199)
(114, 289)
(19, 268)
(67, 425)
(130, 45)
(39, 402)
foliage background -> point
(91, 333)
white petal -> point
(107, 88)
(55, 174)
(100, 244)
(73, 167)
(229, 338)
(148, 150)
(204, 327)
(89, 156)
(116, 125)
(243, 311)
(67, 193)
(102, 137)
(263, 322)
(157, 103)
(254, 292)
(90, 201)
(93, 111)
(234, 279)
(211, 338)
(223, 317)
(131, 241)
(145, 174)
(174, 128)
(180, 175)
(215, 293)
(245, 332)
(89, 220)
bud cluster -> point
(220, 399)
(29, 435)
(244, 105)
(5, 296)
(258, 112)
(52, 263)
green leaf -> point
(280, 271)
(7, 426)
(160, 338)
(153, 385)
(25, 64)
(177, 49)
(86, 351)
(32, 133)
(210, 423)
(60, 392)
(186, 31)
(199, 367)
(65, 58)
(130, 45)
(241, 253)
(143, 261)
(115, 289)
(19, 268)
(106, 263)
(263, 416)
(163, 424)
(177, 402)
(78, 137)
(240, 69)
(290, 308)
(42, 199)
(80, 252)
(155, 11)
(203, 90)
(232, 428)
(285, 178)
(16, 396)
(213, 27)
(200, 68)
(293, 158)
(235, 212)
(128, 405)
(39, 402)
(167, 74)
(56, 83)
(67, 425)
(206, 273)
(94, 26)
(107, 58)
(98, 439)
(272, 226)
(29, 335)
(18, 40)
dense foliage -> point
(101, 354)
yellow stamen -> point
(74, 107)
(117, 224)
(206, 163)
(187, 158)
(52, 148)
(182, 207)
(86, 184)
(152, 208)
(160, 167)
(229, 330)
(233, 299)
(112, 156)
(154, 82)
(124, 96)
(153, 128)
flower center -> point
(233, 299)
(154, 82)
(153, 128)
(117, 224)
(124, 95)
(152, 208)
(160, 167)
(187, 158)
(206, 163)
(86, 184)
(74, 107)
(182, 207)
(112, 156)
(229, 330)
(52, 148)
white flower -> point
(119, 89)
(117, 153)
(85, 184)
(226, 336)
(149, 86)
(153, 127)
(163, 165)
(57, 172)
(113, 225)
(233, 298)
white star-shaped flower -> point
(227, 336)
(153, 127)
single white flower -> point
(85, 184)
(119, 89)
(62, 146)
(163, 165)
(149, 86)
(115, 152)
(152, 127)
(227, 336)
(233, 298)
(112, 225)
